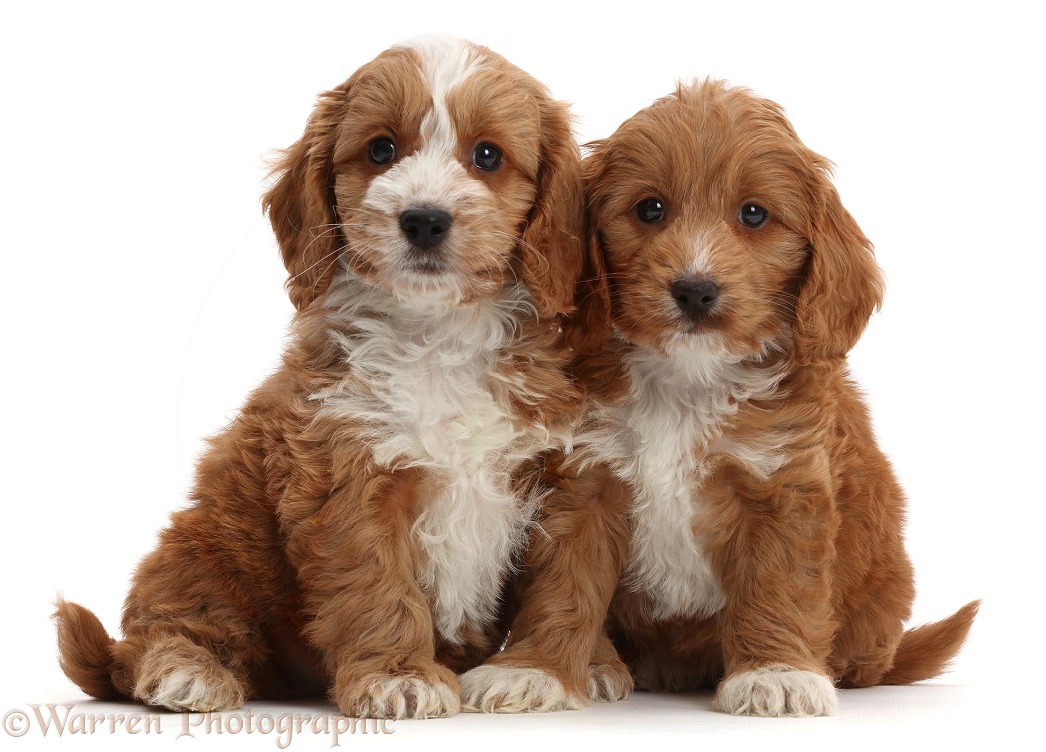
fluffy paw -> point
(777, 691)
(179, 675)
(609, 682)
(395, 696)
(509, 689)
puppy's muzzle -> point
(425, 228)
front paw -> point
(410, 694)
(777, 691)
(512, 689)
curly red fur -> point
(755, 528)
(327, 545)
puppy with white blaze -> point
(352, 530)
(727, 520)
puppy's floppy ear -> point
(842, 284)
(591, 325)
(551, 246)
(300, 203)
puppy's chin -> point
(712, 345)
(425, 288)
(699, 343)
(413, 287)
(673, 335)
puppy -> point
(352, 529)
(728, 501)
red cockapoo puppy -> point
(353, 527)
(728, 502)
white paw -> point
(196, 691)
(406, 697)
(508, 689)
(777, 691)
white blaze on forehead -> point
(445, 64)
(433, 175)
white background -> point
(142, 293)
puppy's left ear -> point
(551, 245)
(842, 284)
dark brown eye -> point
(487, 157)
(381, 151)
(753, 216)
(650, 210)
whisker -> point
(310, 267)
(329, 266)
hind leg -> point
(871, 609)
(201, 660)
(158, 668)
(609, 679)
(185, 665)
(192, 655)
(193, 627)
(173, 672)
(863, 649)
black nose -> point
(695, 297)
(425, 228)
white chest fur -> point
(421, 385)
(659, 441)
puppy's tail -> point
(924, 652)
(85, 650)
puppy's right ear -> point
(590, 326)
(300, 203)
